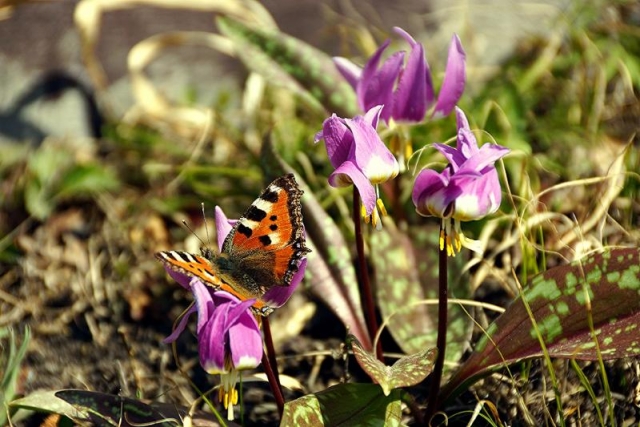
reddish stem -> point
(365, 285)
(271, 366)
(441, 341)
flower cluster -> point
(406, 90)
(467, 189)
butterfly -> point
(262, 250)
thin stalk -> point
(365, 284)
(271, 367)
(441, 341)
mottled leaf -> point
(330, 272)
(289, 62)
(406, 273)
(406, 371)
(559, 300)
(345, 405)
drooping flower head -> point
(229, 337)
(406, 89)
(359, 157)
(467, 189)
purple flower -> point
(229, 337)
(406, 89)
(359, 156)
(467, 189)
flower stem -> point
(441, 341)
(365, 284)
(271, 366)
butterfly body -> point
(262, 250)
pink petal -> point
(350, 71)
(377, 89)
(338, 139)
(223, 226)
(181, 326)
(348, 171)
(245, 342)
(454, 80)
(410, 98)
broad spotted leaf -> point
(293, 64)
(406, 273)
(406, 371)
(605, 287)
(345, 405)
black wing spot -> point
(243, 229)
(273, 218)
(270, 196)
(255, 214)
(273, 227)
(265, 240)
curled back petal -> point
(350, 71)
(223, 226)
(349, 172)
(378, 88)
(410, 97)
(182, 279)
(454, 79)
(453, 155)
(466, 140)
(181, 326)
(372, 116)
(203, 302)
(485, 158)
(338, 139)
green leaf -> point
(10, 366)
(293, 64)
(603, 288)
(407, 371)
(36, 201)
(88, 178)
(406, 273)
(345, 405)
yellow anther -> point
(380, 204)
(408, 150)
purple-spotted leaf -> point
(406, 371)
(604, 287)
(406, 273)
(345, 405)
(291, 63)
(330, 273)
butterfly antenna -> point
(206, 227)
(193, 232)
